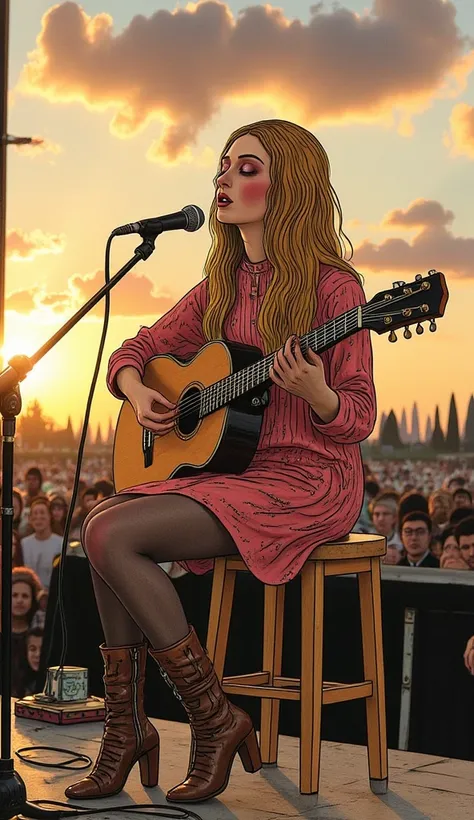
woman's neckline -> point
(255, 267)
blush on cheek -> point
(254, 191)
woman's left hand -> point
(293, 372)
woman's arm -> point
(348, 366)
(179, 331)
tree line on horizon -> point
(37, 431)
(394, 433)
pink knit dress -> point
(305, 484)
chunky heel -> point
(249, 753)
(149, 766)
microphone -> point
(191, 218)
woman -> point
(59, 508)
(275, 268)
(25, 588)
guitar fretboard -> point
(237, 384)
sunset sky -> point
(134, 102)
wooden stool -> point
(357, 553)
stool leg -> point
(371, 620)
(311, 688)
(272, 653)
(223, 584)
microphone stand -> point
(13, 799)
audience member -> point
(383, 512)
(43, 545)
(454, 482)
(89, 499)
(440, 505)
(34, 643)
(411, 502)
(451, 557)
(25, 588)
(462, 498)
(59, 507)
(33, 485)
(464, 533)
(416, 537)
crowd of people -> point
(423, 529)
(425, 511)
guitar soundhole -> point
(189, 404)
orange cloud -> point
(422, 213)
(59, 302)
(434, 245)
(133, 297)
(22, 301)
(180, 66)
(23, 246)
(460, 139)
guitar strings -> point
(240, 378)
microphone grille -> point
(195, 217)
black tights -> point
(135, 597)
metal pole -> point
(4, 31)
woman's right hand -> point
(143, 399)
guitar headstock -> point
(407, 304)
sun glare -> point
(25, 342)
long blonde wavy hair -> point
(299, 234)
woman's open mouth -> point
(223, 201)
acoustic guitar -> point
(221, 393)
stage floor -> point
(420, 786)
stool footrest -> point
(257, 684)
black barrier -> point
(437, 707)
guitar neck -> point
(237, 384)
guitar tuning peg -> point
(420, 329)
(392, 336)
(418, 277)
(432, 325)
(398, 284)
(407, 333)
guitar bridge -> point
(147, 447)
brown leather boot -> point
(128, 735)
(219, 729)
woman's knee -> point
(111, 501)
(100, 541)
